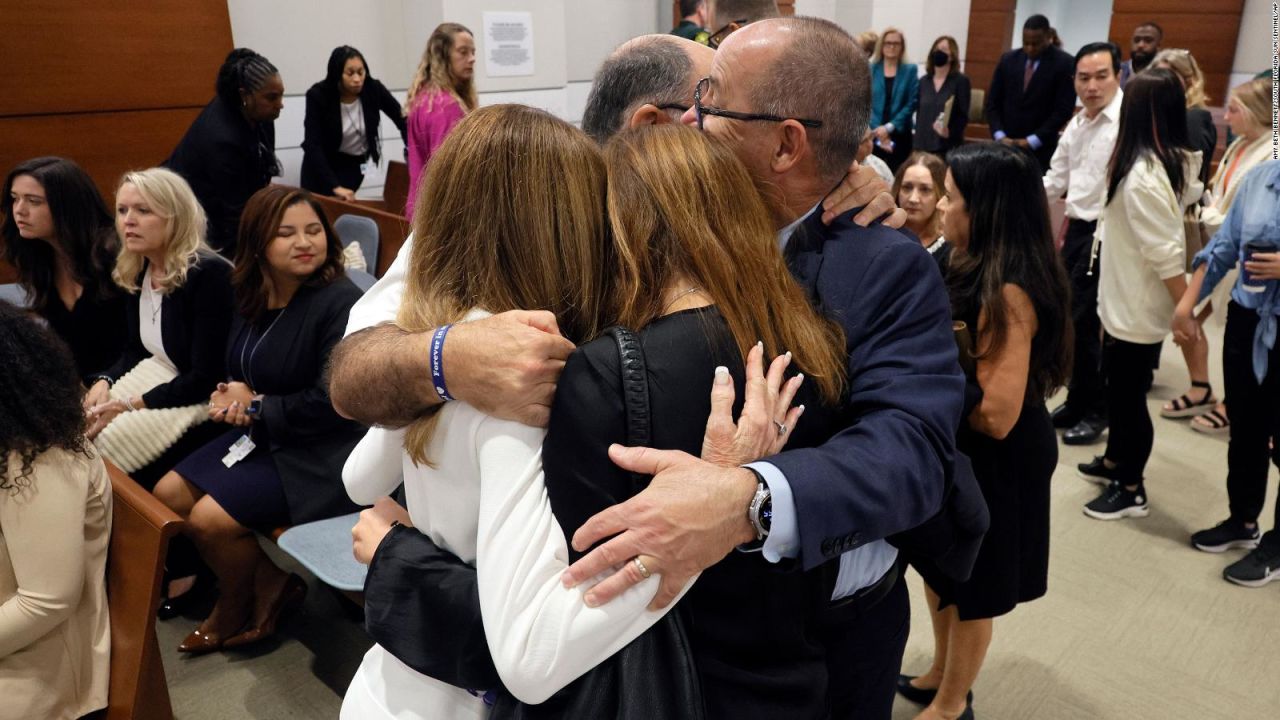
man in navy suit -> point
(792, 95)
(1032, 94)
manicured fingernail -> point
(801, 411)
(722, 375)
(799, 378)
(760, 344)
(590, 599)
(788, 354)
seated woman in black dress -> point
(281, 462)
(57, 234)
(178, 314)
(229, 152)
(341, 125)
(1007, 281)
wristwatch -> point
(760, 512)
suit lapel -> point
(804, 253)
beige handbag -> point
(1197, 235)
(135, 439)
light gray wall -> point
(921, 21)
(571, 39)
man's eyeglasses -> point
(675, 106)
(717, 37)
(701, 110)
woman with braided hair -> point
(229, 152)
(55, 522)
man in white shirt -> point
(1079, 169)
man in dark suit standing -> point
(1032, 95)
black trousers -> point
(347, 168)
(902, 141)
(864, 655)
(1086, 396)
(1127, 369)
(1254, 410)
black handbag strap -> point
(635, 393)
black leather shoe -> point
(199, 594)
(1085, 432)
(1063, 418)
(925, 696)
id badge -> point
(238, 451)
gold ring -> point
(644, 571)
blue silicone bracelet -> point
(437, 363)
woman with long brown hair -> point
(695, 268)
(442, 92)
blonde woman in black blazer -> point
(341, 125)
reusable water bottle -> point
(1248, 282)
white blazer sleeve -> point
(373, 469)
(541, 635)
(380, 303)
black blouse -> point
(1203, 136)
(756, 644)
(94, 329)
(932, 104)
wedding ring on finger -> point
(782, 428)
(644, 571)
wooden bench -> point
(140, 532)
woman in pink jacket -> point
(442, 91)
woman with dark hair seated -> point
(55, 523)
(229, 152)
(1009, 287)
(341, 125)
(58, 235)
(179, 312)
(281, 462)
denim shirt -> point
(1254, 214)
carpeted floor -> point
(1136, 623)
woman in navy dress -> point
(281, 461)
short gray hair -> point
(723, 12)
(820, 74)
(655, 70)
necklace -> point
(676, 299)
(247, 369)
(154, 299)
(354, 113)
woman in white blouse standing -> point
(1152, 178)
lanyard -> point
(246, 370)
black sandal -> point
(1212, 423)
(1185, 407)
